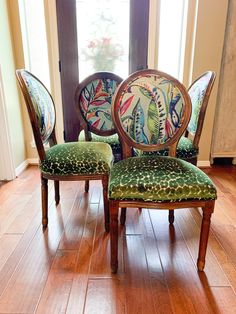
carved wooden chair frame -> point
(41, 152)
(127, 143)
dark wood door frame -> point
(68, 65)
(139, 21)
(68, 52)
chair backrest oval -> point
(93, 98)
(151, 110)
(199, 93)
(39, 103)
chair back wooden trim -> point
(32, 114)
(182, 95)
(202, 112)
(85, 124)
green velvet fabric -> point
(158, 179)
(77, 159)
(112, 140)
(185, 150)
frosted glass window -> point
(172, 33)
(34, 39)
(103, 36)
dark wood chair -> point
(93, 100)
(188, 146)
(151, 111)
(61, 162)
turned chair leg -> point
(57, 192)
(44, 193)
(114, 209)
(123, 216)
(205, 228)
(106, 203)
(171, 217)
(86, 186)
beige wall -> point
(19, 63)
(207, 53)
(210, 31)
(10, 88)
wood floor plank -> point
(66, 269)
(105, 296)
(79, 286)
(191, 236)
(33, 269)
(8, 244)
(160, 291)
(57, 290)
(185, 289)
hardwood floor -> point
(66, 268)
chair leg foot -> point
(123, 216)
(44, 193)
(106, 203)
(86, 186)
(200, 265)
(114, 209)
(171, 217)
(57, 192)
(114, 268)
(205, 229)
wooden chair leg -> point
(114, 209)
(106, 203)
(123, 216)
(44, 193)
(171, 217)
(86, 186)
(205, 228)
(57, 192)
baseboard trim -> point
(203, 163)
(24, 164)
(21, 167)
(33, 161)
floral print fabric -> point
(197, 93)
(95, 103)
(150, 109)
(185, 150)
(43, 105)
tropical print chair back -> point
(149, 108)
(198, 93)
(95, 98)
(42, 104)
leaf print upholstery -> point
(151, 109)
(95, 103)
(197, 93)
(43, 105)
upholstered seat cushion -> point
(185, 150)
(158, 179)
(112, 140)
(77, 158)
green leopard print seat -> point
(159, 179)
(112, 140)
(185, 150)
(77, 159)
